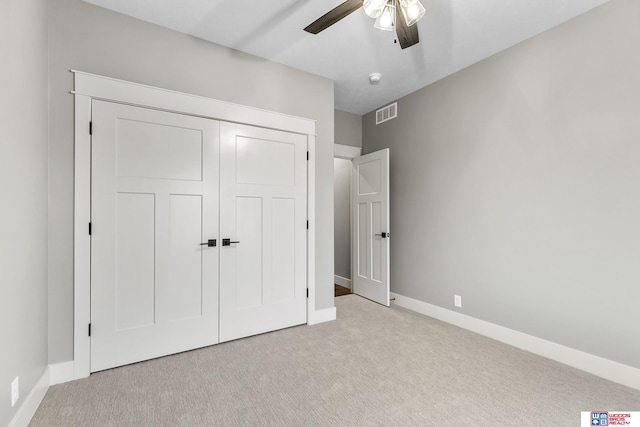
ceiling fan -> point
(400, 15)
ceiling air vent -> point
(387, 113)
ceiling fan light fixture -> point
(412, 11)
(374, 8)
(386, 14)
(387, 19)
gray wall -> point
(23, 201)
(348, 128)
(88, 38)
(342, 217)
(516, 184)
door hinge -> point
(89, 329)
(90, 128)
(307, 292)
(307, 225)
(307, 156)
(89, 229)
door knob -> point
(211, 243)
(228, 242)
(383, 235)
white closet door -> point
(263, 214)
(155, 192)
(370, 226)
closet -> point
(198, 231)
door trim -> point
(346, 152)
(90, 86)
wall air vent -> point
(387, 113)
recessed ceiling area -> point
(454, 34)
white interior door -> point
(263, 214)
(370, 226)
(155, 192)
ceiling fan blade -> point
(333, 16)
(407, 36)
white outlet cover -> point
(457, 301)
(15, 391)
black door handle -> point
(211, 243)
(383, 235)
(228, 242)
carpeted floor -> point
(373, 366)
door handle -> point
(211, 243)
(228, 242)
(384, 235)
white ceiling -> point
(453, 35)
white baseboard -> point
(30, 405)
(342, 281)
(61, 372)
(604, 368)
(321, 316)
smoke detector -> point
(375, 78)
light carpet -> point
(372, 366)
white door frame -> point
(346, 152)
(90, 86)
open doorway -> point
(342, 167)
(342, 226)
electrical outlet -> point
(15, 391)
(457, 301)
